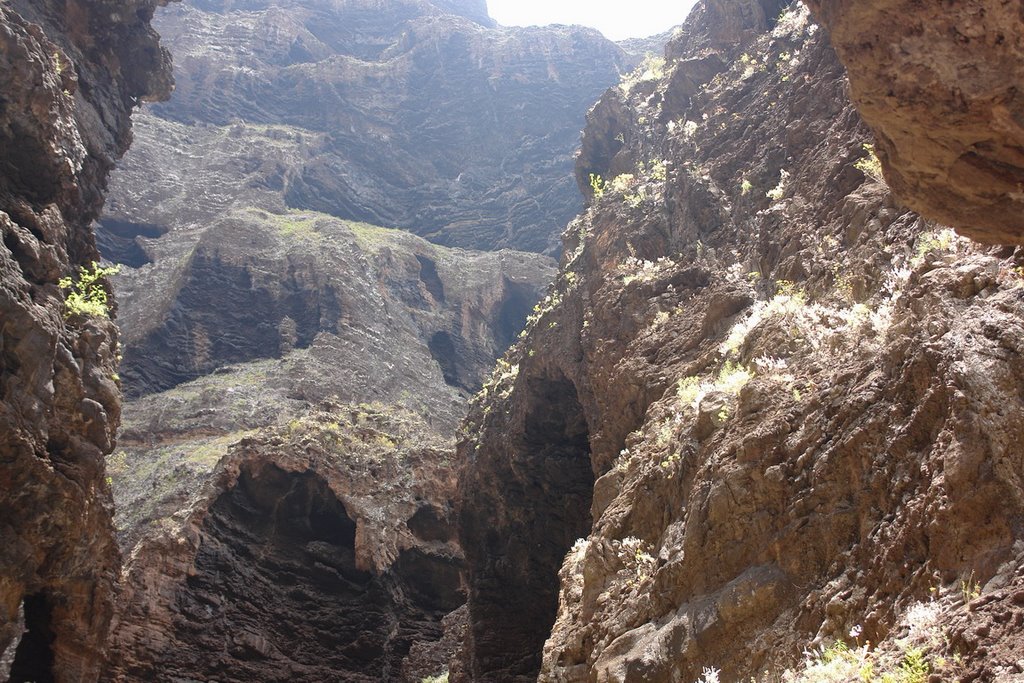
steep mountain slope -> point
(304, 377)
(395, 113)
(764, 407)
(70, 74)
(284, 478)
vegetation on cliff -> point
(763, 395)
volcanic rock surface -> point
(405, 113)
(941, 90)
(284, 479)
(286, 456)
(763, 407)
(314, 551)
(70, 74)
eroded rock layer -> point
(406, 113)
(70, 74)
(269, 532)
(799, 403)
(941, 89)
(322, 550)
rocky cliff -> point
(406, 113)
(299, 380)
(764, 408)
(319, 550)
(70, 75)
(296, 379)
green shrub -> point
(86, 294)
(652, 68)
(870, 165)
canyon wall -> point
(764, 408)
(295, 379)
(407, 114)
(284, 475)
(70, 75)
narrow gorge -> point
(366, 364)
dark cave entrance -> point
(442, 350)
(33, 658)
(430, 279)
(277, 595)
(547, 502)
(276, 587)
(516, 306)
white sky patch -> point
(616, 19)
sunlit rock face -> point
(70, 74)
(796, 403)
(941, 88)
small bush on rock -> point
(86, 295)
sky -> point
(616, 19)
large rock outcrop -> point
(764, 408)
(409, 114)
(70, 75)
(282, 354)
(320, 550)
(941, 90)
(284, 477)
(384, 311)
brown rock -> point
(866, 365)
(318, 551)
(940, 88)
(70, 74)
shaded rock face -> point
(318, 551)
(407, 114)
(801, 401)
(514, 560)
(256, 285)
(941, 92)
(276, 580)
(70, 74)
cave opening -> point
(547, 507)
(430, 279)
(515, 307)
(33, 657)
(277, 593)
(117, 241)
(277, 587)
(444, 352)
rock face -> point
(386, 307)
(284, 477)
(313, 552)
(70, 74)
(763, 405)
(941, 91)
(308, 308)
(405, 113)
